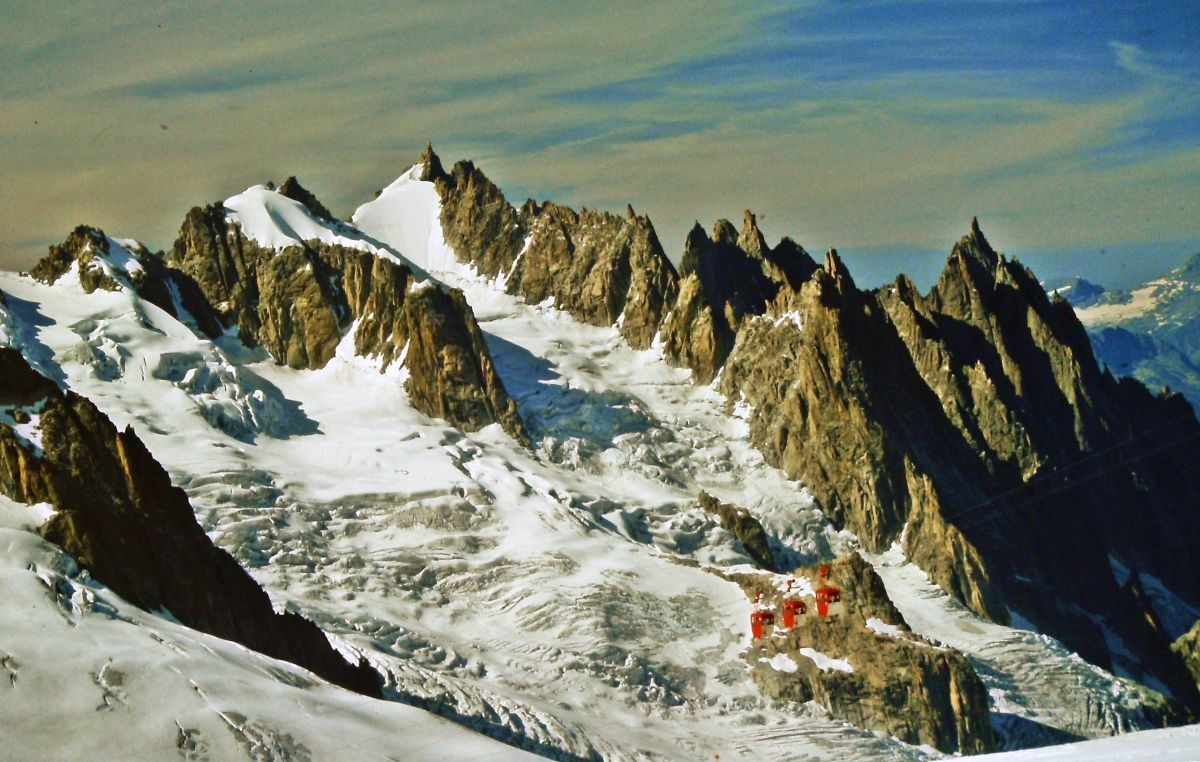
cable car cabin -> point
(791, 608)
(829, 601)
(760, 621)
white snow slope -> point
(533, 595)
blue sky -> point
(1071, 129)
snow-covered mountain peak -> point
(406, 216)
(274, 221)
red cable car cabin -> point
(791, 608)
(759, 620)
(825, 596)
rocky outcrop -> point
(452, 374)
(601, 268)
(118, 514)
(102, 264)
(223, 262)
(838, 406)
(83, 248)
(741, 524)
(477, 220)
(298, 303)
(865, 666)
(294, 190)
(1187, 646)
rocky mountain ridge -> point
(971, 426)
(298, 303)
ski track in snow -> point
(529, 594)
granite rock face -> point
(728, 278)
(601, 268)
(452, 374)
(119, 515)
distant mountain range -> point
(1151, 333)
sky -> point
(1071, 129)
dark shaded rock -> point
(727, 278)
(178, 295)
(119, 515)
(294, 190)
(742, 525)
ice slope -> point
(84, 675)
(275, 221)
(405, 215)
(557, 597)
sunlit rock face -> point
(601, 268)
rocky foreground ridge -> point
(118, 514)
(972, 424)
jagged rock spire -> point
(751, 239)
(724, 232)
(295, 191)
(433, 165)
(975, 246)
